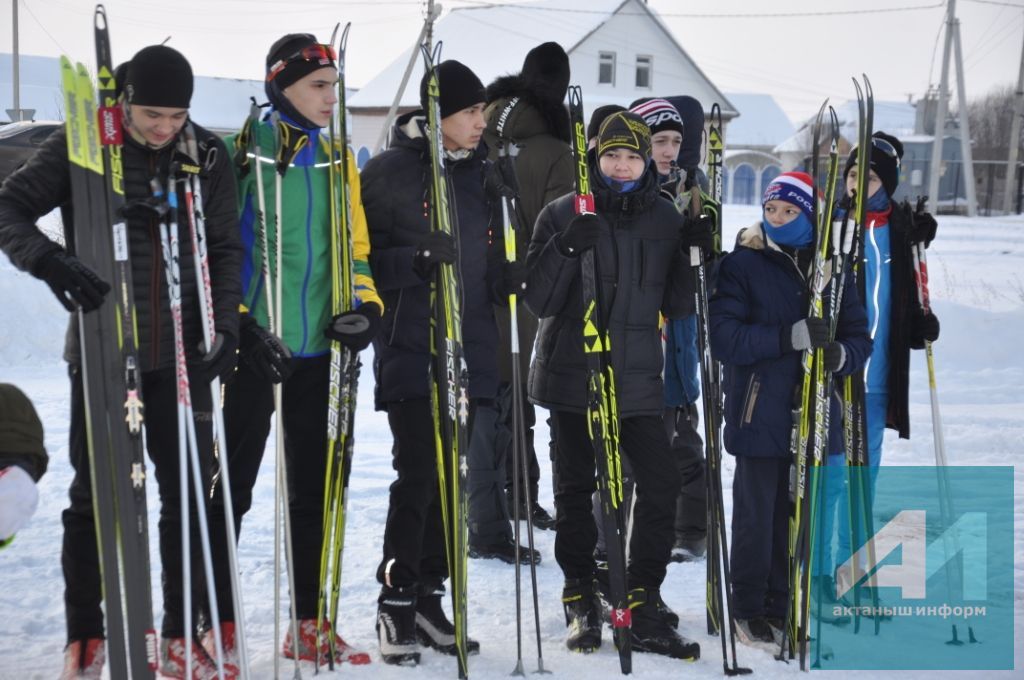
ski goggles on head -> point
(883, 146)
(324, 54)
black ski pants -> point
(643, 442)
(80, 558)
(681, 423)
(413, 533)
(505, 442)
(760, 535)
(489, 442)
(248, 411)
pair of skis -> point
(602, 408)
(449, 378)
(811, 414)
(719, 583)
(110, 364)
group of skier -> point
(270, 360)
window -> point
(606, 68)
(643, 71)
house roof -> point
(469, 34)
(896, 118)
(761, 122)
(220, 104)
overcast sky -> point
(799, 51)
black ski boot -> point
(666, 613)
(396, 626)
(582, 615)
(433, 629)
(651, 633)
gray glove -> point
(809, 333)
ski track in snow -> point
(977, 282)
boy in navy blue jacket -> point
(759, 327)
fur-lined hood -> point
(534, 114)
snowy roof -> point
(220, 104)
(761, 121)
(895, 118)
(468, 35)
(494, 39)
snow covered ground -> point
(977, 272)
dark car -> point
(20, 140)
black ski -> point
(130, 465)
(602, 408)
(449, 397)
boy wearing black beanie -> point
(301, 83)
(156, 94)
(405, 256)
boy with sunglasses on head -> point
(301, 82)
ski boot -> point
(308, 650)
(433, 629)
(651, 633)
(582, 615)
(396, 626)
(84, 659)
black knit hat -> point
(624, 130)
(886, 154)
(459, 88)
(21, 431)
(598, 116)
(159, 76)
(287, 64)
(546, 71)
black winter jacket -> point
(544, 169)
(44, 183)
(395, 191)
(641, 271)
(760, 293)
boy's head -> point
(461, 98)
(788, 204)
(157, 92)
(886, 154)
(301, 78)
(666, 130)
(623, 146)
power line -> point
(482, 4)
(996, 2)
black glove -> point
(922, 228)
(809, 333)
(699, 231)
(71, 281)
(221, 360)
(435, 248)
(835, 356)
(500, 180)
(513, 280)
(263, 352)
(924, 327)
(582, 233)
(355, 328)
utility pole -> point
(1011, 161)
(425, 37)
(951, 44)
(17, 113)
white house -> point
(619, 51)
(750, 162)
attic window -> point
(606, 68)
(643, 71)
